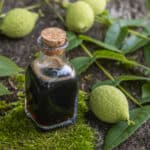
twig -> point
(138, 34)
(12, 84)
(54, 10)
(97, 63)
(33, 6)
(105, 71)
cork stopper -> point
(54, 37)
(53, 41)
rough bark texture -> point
(22, 52)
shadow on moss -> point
(18, 132)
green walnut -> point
(18, 23)
(109, 104)
(79, 17)
(98, 6)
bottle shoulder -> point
(52, 69)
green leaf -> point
(121, 131)
(112, 34)
(133, 43)
(147, 29)
(118, 31)
(8, 67)
(147, 54)
(105, 54)
(131, 22)
(38, 54)
(3, 90)
(81, 64)
(121, 37)
(116, 35)
(147, 3)
(99, 43)
(145, 93)
(105, 18)
(120, 79)
(145, 100)
(106, 82)
(146, 90)
(131, 78)
(73, 41)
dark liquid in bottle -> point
(51, 104)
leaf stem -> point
(105, 71)
(54, 10)
(109, 21)
(97, 63)
(134, 100)
(33, 6)
(104, 20)
(99, 43)
(138, 34)
(142, 66)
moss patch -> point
(18, 132)
(4, 107)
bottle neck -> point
(51, 51)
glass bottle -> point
(51, 83)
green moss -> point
(18, 80)
(18, 132)
(4, 107)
